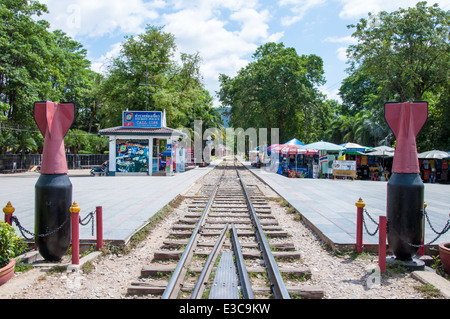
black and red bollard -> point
(405, 189)
(99, 220)
(359, 225)
(53, 190)
(75, 218)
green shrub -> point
(10, 245)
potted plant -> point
(444, 254)
(10, 247)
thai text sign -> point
(150, 119)
(344, 168)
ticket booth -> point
(136, 146)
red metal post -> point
(99, 216)
(8, 219)
(359, 225)
(382, 244)
(421, 250)
(75, 213)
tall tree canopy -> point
(146, 77)
(277, 90)
(36, 65)
(400, 56)
(405, 52)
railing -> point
(381, 229)
(74, 161)
(75, 221)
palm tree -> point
(341, 129)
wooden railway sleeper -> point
(225, 205)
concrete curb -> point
(430, 278)
(35, 259)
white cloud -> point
(342, 51)
(298, 9)
(253, 23)
(359, 9)
(332, 94)
(344, 40)
(342, 54)
(100, 64)
(87, 18)
(224, 33)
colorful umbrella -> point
(294, 141)
(353, 147)
(293, 149)
(307, 151)
(381, 151)
(273, 146)
(286, 149)
(434, 154)
(323, 146)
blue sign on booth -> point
(149, 119)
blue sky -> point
(225, 32)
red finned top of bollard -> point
(54, 120)
(406, 120)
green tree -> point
(358, 92)
(134, 77)
(22, 58)
(37, 65)
(77, 141)
(406, 52)
(146, 77)
(400, 56)
(435, 134)
(276, 90)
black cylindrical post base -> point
(405, 198)
(53, 197)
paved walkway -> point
(330, 204)
(128, 201)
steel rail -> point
(207, 268)
(174, 285)
(278, 287)
(244, 280)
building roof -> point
(144, 131)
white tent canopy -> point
(434, 154)
(323, 146)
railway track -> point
(227, 245)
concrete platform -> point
(329, 205)
(128, 201)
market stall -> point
(328, 152)
(380, 162)
(434, 166)
(296, 162)
(355, 152)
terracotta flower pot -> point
(7, 272)
(444, 254)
